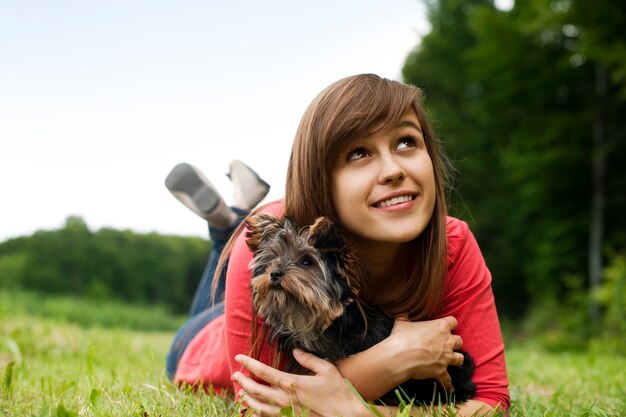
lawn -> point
(53, 363)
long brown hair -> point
(354, 107)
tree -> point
(518, 95)
(108, 263)
(600, 31)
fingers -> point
(458, 342)
(446, 381)
(450, 323)
(455, 343)
(265, 372)
(458, 359)
(260, 392)
(259, 408)
(263, 400)
(311, 362)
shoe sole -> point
(264, 185)
(253, 172)
(184, 179)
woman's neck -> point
(385, 265)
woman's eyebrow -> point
(409, 123)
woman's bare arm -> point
(418, 350)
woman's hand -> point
(413, 350)
(425, 349)
(324, 393)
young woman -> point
(365, 156)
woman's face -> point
(384, 184)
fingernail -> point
(297, 352)
(235, 376)
(238, 358)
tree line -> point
(106, 264)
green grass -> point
(88, 313)
(53, 364)
(566, 384)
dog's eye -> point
(306, 262)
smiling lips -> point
(394, 200)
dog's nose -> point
(275, 275)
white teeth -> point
(395, 200)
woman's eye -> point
(406, 142)
(356, 154)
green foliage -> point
(611, 296)
(12, 269)
(515, 98)
(564, 325)
(85, 312)
(143, 268)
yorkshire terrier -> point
(305, 287)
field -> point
(65, 357)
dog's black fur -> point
(306, 287)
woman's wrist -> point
(395, 363)
(375, 371)
(399, 363)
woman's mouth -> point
(394, 200)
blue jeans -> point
(204, 308)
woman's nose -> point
(391, 171)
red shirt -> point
(209, 358)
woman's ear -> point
(325, 236)
(261, 227)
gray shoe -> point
(193, 189)
(249, 187)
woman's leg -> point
(192, 188)
(186, 334)
(203, 298)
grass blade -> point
(8, 377)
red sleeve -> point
(469, 298)
(238, 302)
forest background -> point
(530, 104)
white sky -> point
(100, 99)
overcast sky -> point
(100, 99)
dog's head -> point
(303, 278)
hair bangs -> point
(366, 105)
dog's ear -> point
(324, 235)
(327, 238)
(260, 227)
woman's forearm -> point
(373, 372)
(417, 350)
